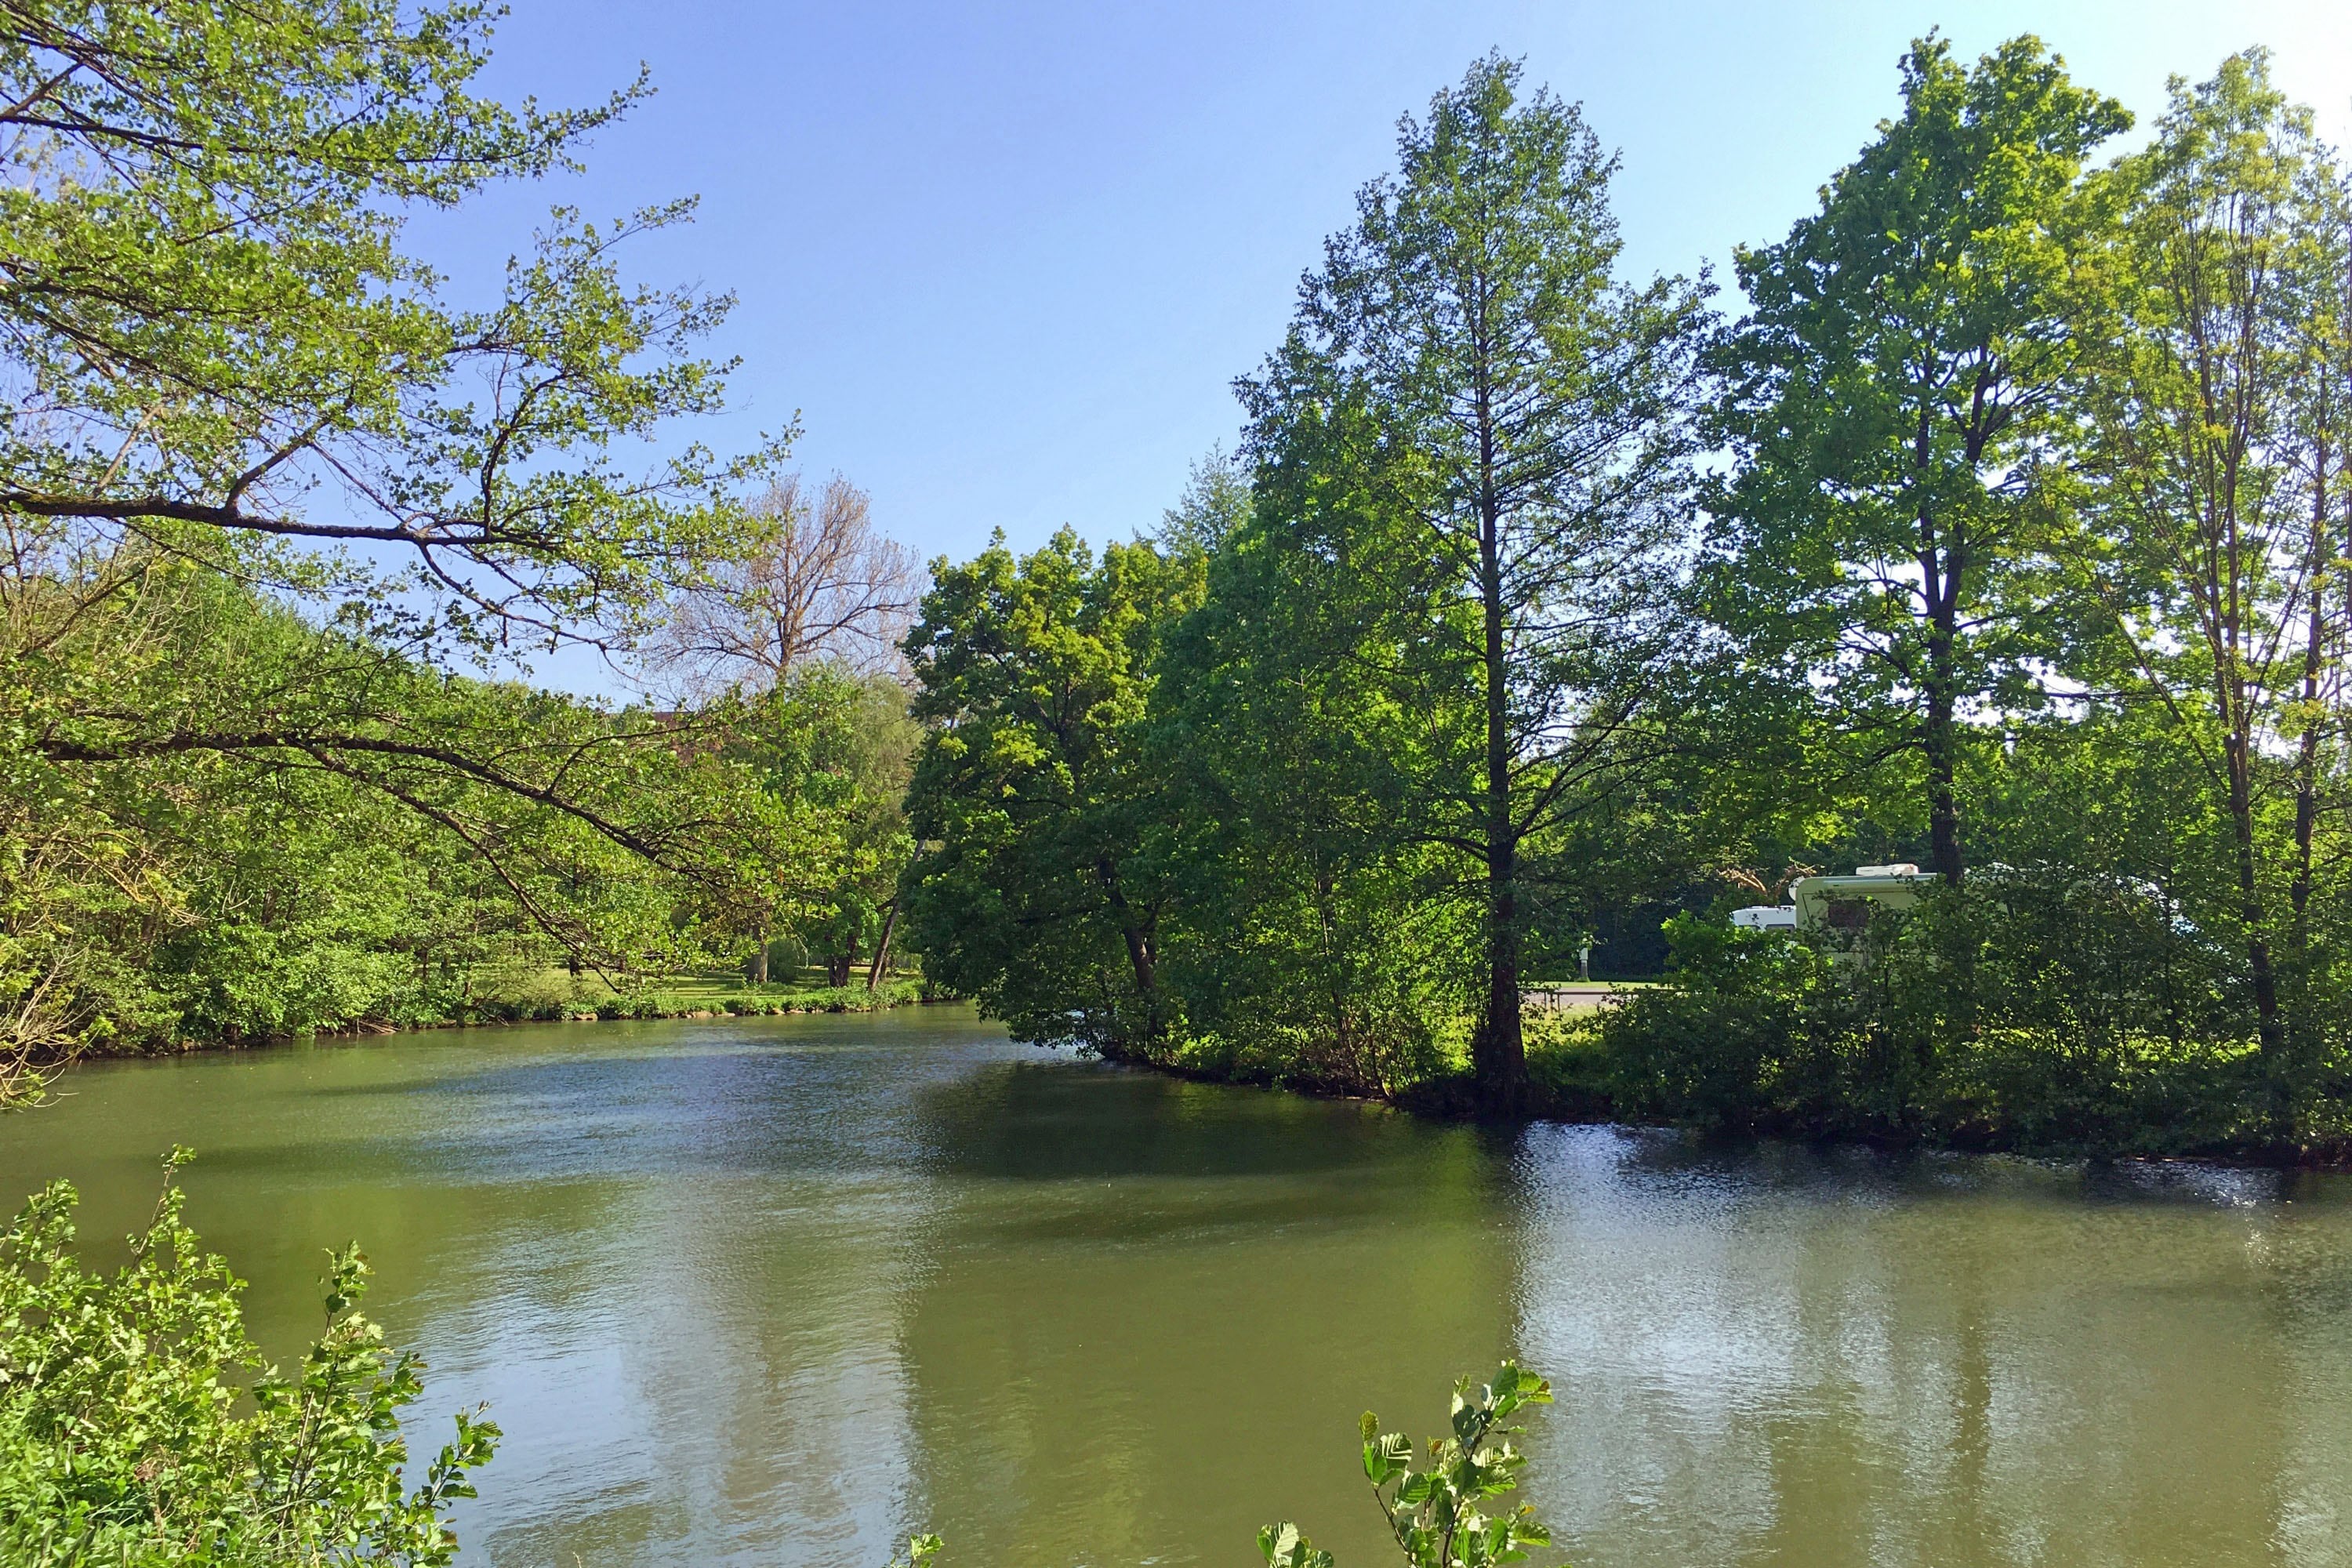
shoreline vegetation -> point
(1995, 520)
(702, 997)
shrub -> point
(2045, 1010)
(1723, 1041)
(125, 1439)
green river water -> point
(779, 1290)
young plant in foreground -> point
(1434, 1512)
(921, 1549)
(124, 1440)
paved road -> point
(1575, 994)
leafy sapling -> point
(921, 1549)
(1435, 1512)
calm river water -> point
(777, 1291)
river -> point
(780, 1290)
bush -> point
(2038, 1011)
(125, 1439)
(1722, 1042)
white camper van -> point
(1844, 903)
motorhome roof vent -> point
(1900, 868)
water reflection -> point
(1156, 1309)
(779, 1290)
(1792, 1358)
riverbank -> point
(699, 998)
(2000, 1091)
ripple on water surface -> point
(779, 1290)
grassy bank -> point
(555, 995)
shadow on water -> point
(1061, 1120)
(1156, 1308)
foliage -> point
(1315, 939)
(126, 1438)
(858, 739)
(281, 517)
(1476, 436)
(214, 334)
(1893, 393)
(239, 893)
(2026, 561)
(2211, 543)
(1436, 1513)
(921, 1549)
(2039, 1011)
(1038, 891)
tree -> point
(824, 585)
(2214, 462)
(1037, 890)
(220, 360)
(1319, 934)
(1216, 502)
(835, 751)
(219, 353)
(215, 337)
(201, 860)
(1892, 395)
(1469, 398)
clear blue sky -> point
(1007, 259)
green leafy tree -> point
(2214, 469)
(1321, 936)
(214, 336)
(1490, 433)
(1214, 504)
(1037, 888)
(835, 751)
(231, 388)
(1893, 395)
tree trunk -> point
(1140, 956)
(2307, 760)
(1940, 742)
(1942, 563)
(2237, 748)
(755, 968)
(882, 948)
(1499, 1059)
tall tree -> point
(2216, 421)
(1891, 396)
(1468, 393)
(2324, 397)
(1214, 503)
